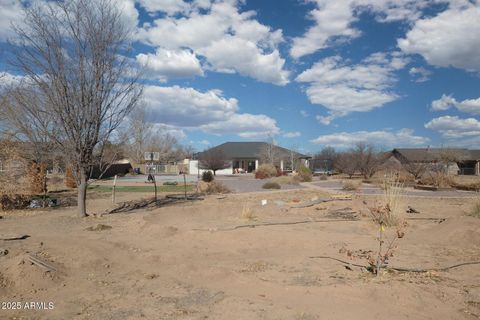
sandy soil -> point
(177, 262)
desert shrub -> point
(351, 185)
(271, 185)
(247, 213)
(213, 187)
(265, 171)
(475, 209)
(207, 176)
(470, 186)
(14, 201)
(285, 180)
(323, 177)
(438, 179)
(70, 181)
(304, 174)
(38, 178)
(382, 217)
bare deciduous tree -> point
(449, 156)
(346, 163)
(368, 159)
(213, 159)
(137, 135)
(416, 168)
(270, 153)
(79, 83)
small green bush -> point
(207, 176)
(265, 171)
(271, 185)
(304, 174)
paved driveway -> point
(236, 183)
(248, 183)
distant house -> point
(247, 156)
(456, 160)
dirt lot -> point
(185, 261)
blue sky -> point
(309, 73)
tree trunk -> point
(82, 194)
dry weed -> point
(271, 185)
(387, 214)
(475, 209)
(285, 180)
(351, 185)
(214, 187)
(248, 214)
(392, 199)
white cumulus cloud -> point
(292, 134)
(165, 64)
(343, 88)
(447, 39)
(420, 74)
(187, 107)
(11, 11)
(178, 109)
(471, 106)
(229, 40)
(453, 127)
(245, 125)
(333, 20)
(383, 138)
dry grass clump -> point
(271, 185)
(214, 187)
(351, 185)
(438, 179)
(248, 214)
(462, 183)
(475, 209)
(285, 180)
(392, 198)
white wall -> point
(193, 169)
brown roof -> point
(435, 154)
(251, 150)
